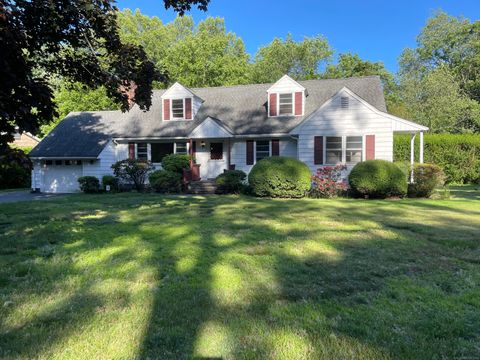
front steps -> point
(202, 187)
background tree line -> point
(438, 82)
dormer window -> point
(286, 98)
(285, 104)
(178, 109)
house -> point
(24, 139)
(321, 122)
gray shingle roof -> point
(242, 108)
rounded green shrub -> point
(176, 162)
(231, 181)
(280, 176)
(111, 181)
(166, 182)
(89, 184)
(377, 179)
(426, 177)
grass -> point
(132, 276)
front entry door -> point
(216, 161)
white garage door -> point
(62, 179)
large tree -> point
(77, 40)
(77, 97)
(301, 60)
(440, 78)
(195, 55)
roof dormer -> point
(180, 103)
(286, 98)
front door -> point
(216, 162)
(212, 157)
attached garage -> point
(61, 178)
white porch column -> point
(412, 155)
(421, 148)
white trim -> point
(284, 77)
(421, 148)
(344, 149)
(414, 127)
(255, 149)
(222, 133)
(292, 95)
(176, 84)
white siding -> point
(121, 151)
(209, 129)
(287, 147)
(103, 165)
(285, 84)
(178, 91)
(332, 120)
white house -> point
(321, 122)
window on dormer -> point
(177, 109)
(285, 104)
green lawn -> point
(132, 276)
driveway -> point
(24, 195)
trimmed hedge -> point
(231, 181)
(176, 162)
(458, 155)
(377, 179)
(280, 176)
(89, 184)
(166, 182)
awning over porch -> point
(402, 126)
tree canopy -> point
(440, 78)
(77, 40)
(299, 59)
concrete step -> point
(202, 187)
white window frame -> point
(292, 94)
(171, 109)
(136, 151)
(255, 149)
(187, 145)
(361, 149)
(344, 149)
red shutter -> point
(188, 108)
(275, 148)
(370, 147)
(298, 103)
(166, 109)
(318, 150)
(249, 152)
(273, 104)
(131, 150)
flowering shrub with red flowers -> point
(328, 183)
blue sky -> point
(376, 30)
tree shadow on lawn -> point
(252, 278)
(376, 288)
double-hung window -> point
(142, 151)
(285, 104)
(353, 150)
(262, 149)
(177, 109)
(180, 148)
(333, 150)
(343, 149)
